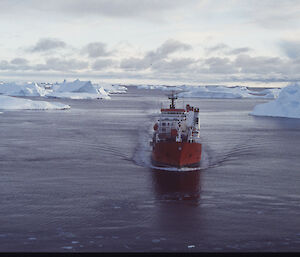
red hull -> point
(177, 154)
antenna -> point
(172, 97)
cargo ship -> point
(176, 139)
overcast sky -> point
(151, 41)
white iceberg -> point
(114, 89)
(22, 89)
(78, 90)
(76, 86)
(286, 105)
(14, 103)
(215, 92)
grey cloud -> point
(15, 64)
(46, 44)
(240, 50)
(261, 65)
(96, 49)
(55, 64)
(215, 48)
(19, 61)
(168, 47)
(134, 64)
(5, 65)
(177, 65)
(58, 64)
(220, 65)
(162, 52)
(101, 64)
(290, 48)
(226, 49)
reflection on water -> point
(170, 185)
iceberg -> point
(22, 89)
(215, 92)
(268, 93)
(78, 90)
(114, 89)
(286, 105)
(75, 86)
(14, 103)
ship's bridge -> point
(172, 111)
(173, 114)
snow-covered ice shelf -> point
(216, 92)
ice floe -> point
(286, 105)
(74, 95)
(14, 103)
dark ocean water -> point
(80, 180)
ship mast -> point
(172, 97)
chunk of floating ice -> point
(75, 242)
(191, 246)
(13, 103)
(67, 247)
(31, 238)
(155, 241)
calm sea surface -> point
(81, 180)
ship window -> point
(164, 124)
(163, 130)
